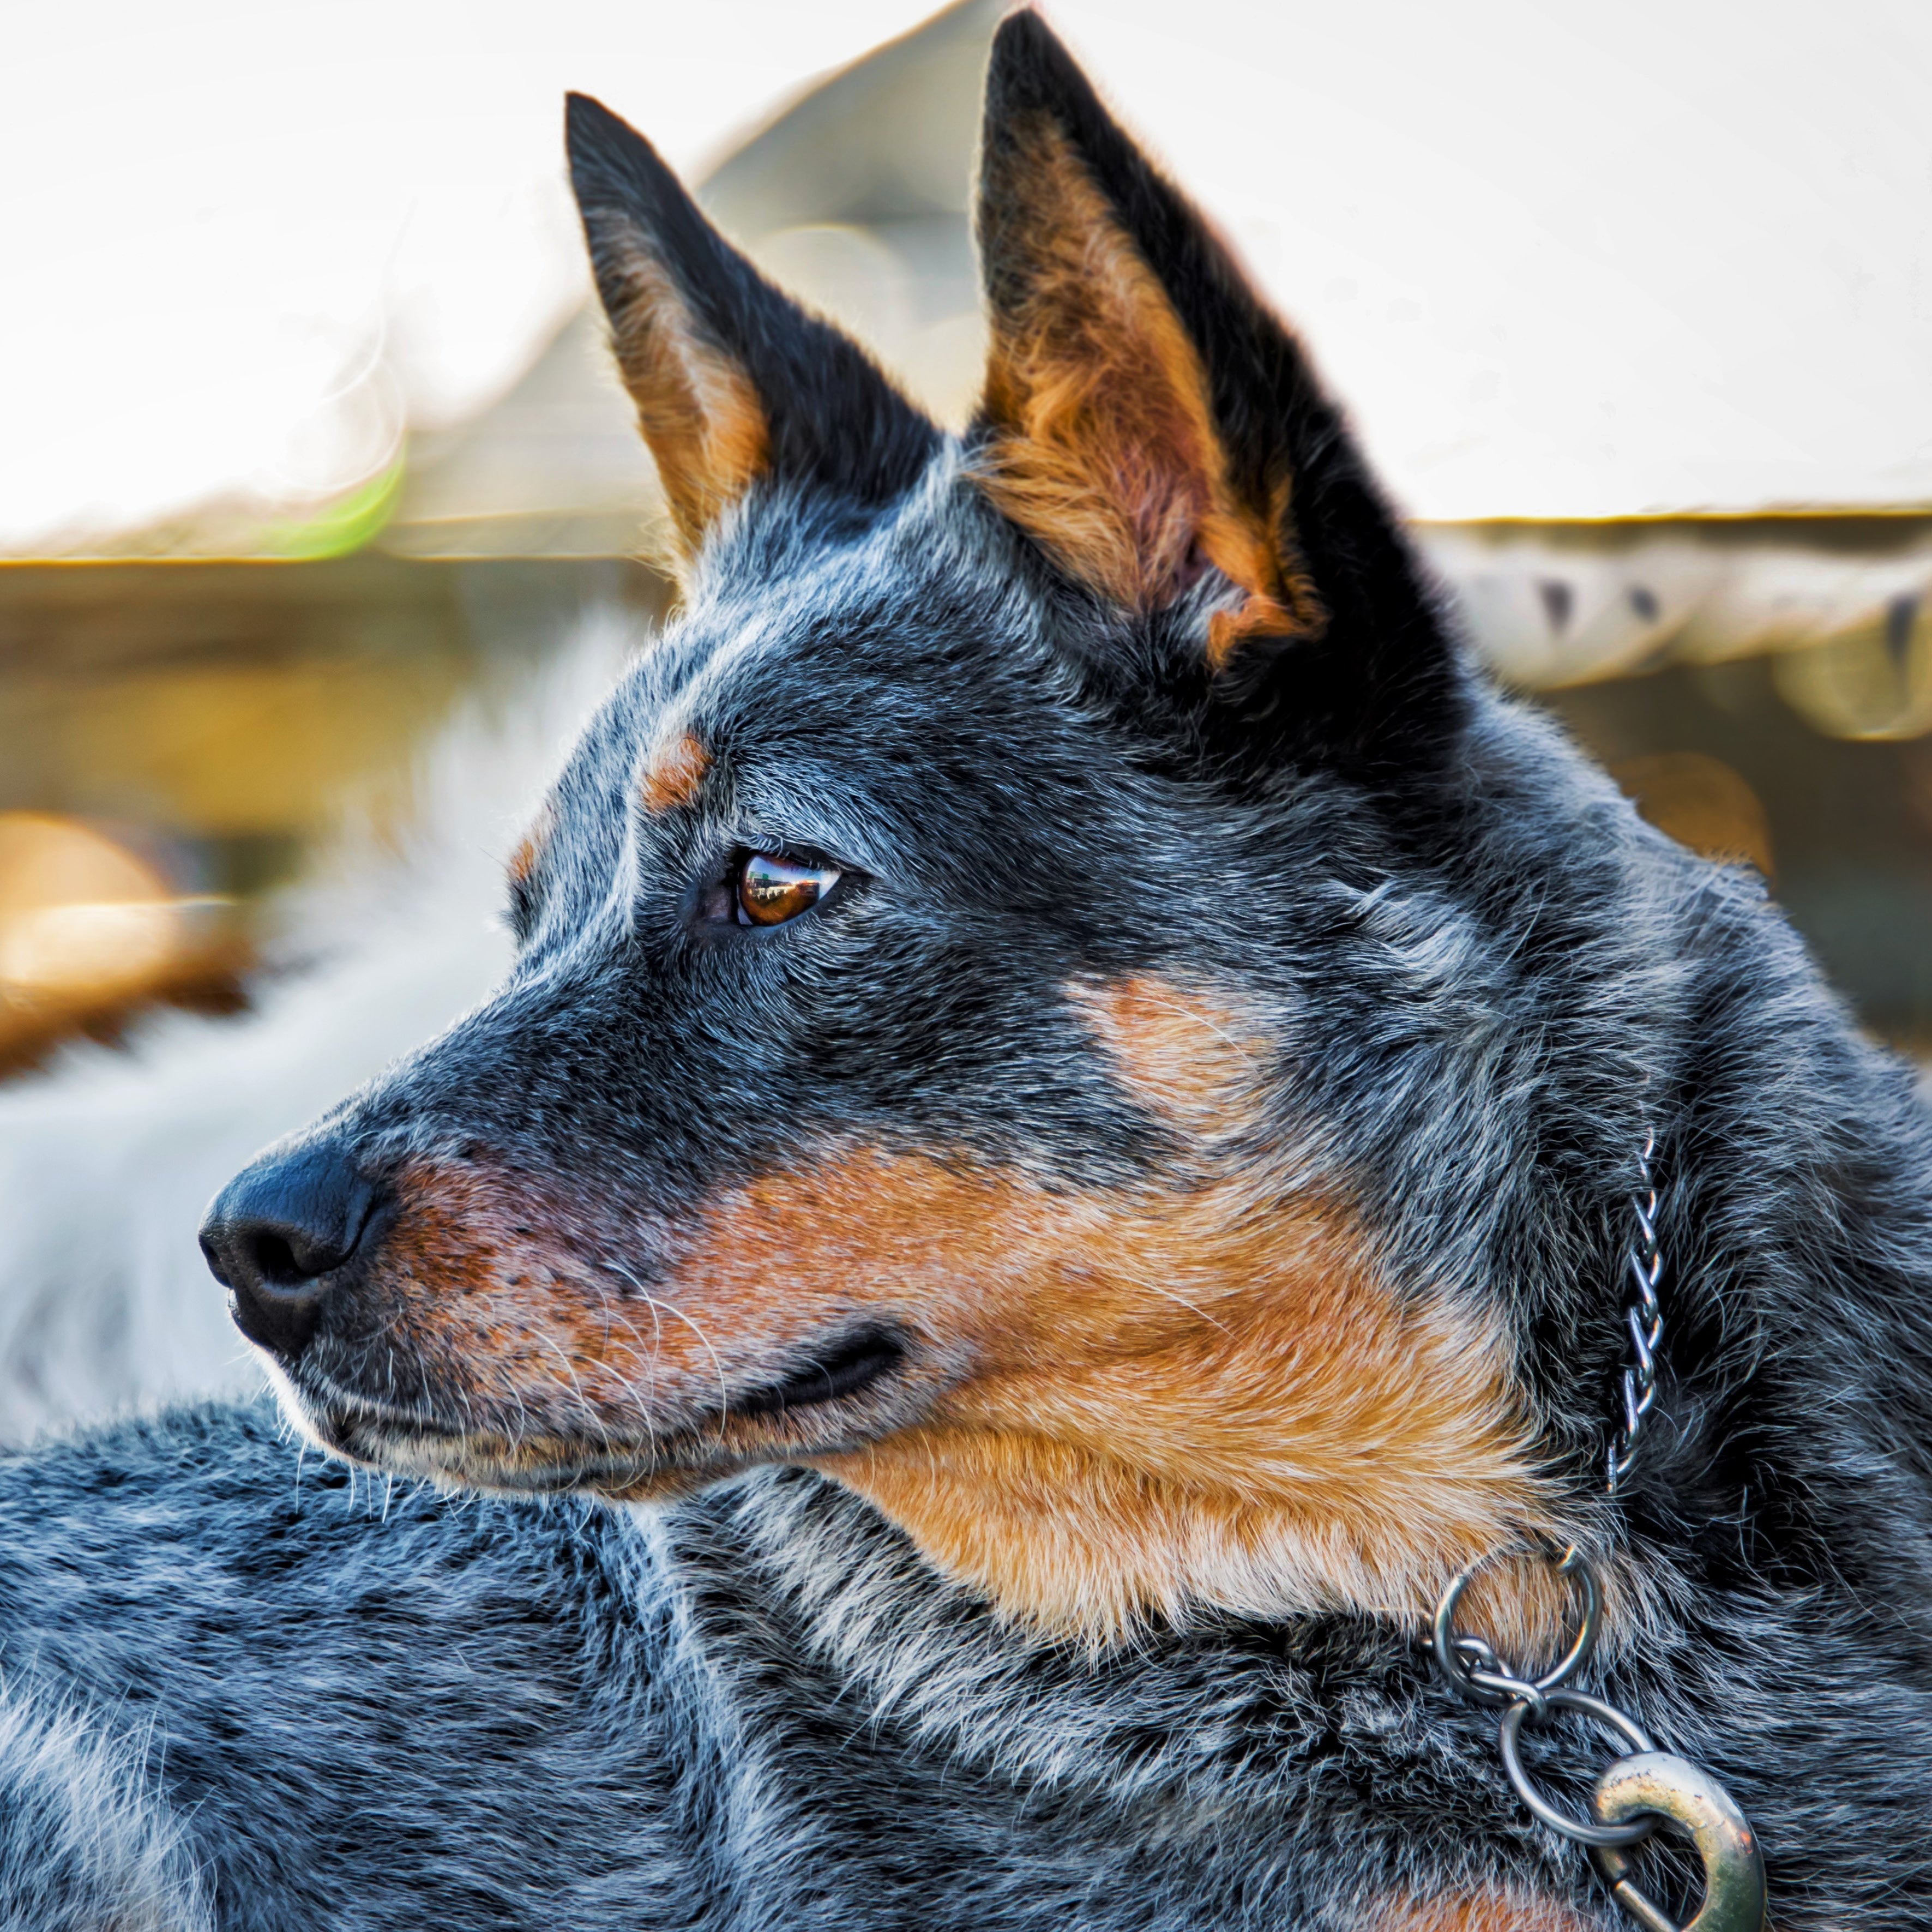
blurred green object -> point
(343, 526)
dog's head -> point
(1006, 1011)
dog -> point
(1052, 1163)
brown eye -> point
(771, 890)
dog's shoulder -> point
(85, 1840)
(317, 1683)
(194, 1516)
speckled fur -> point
(243, 1686)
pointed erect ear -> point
(1147, 418)
(735, 385)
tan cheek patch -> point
(1149, 1401)
(675, 772)
(1193, 1056)
(1166, 1401)
(1188, 1401)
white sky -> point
(1562, 259)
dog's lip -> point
(498, 1461)
(369, 1429)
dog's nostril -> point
(277, 1236)
(275, 1260)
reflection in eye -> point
(772, 889)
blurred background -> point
(320, 509)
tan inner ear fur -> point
(699, 412)
(1104, 448)
(530, 848)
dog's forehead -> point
(878, 643)
(909, 603)
(824, 679)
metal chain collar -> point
(1647, 1788)
(1644, 1319)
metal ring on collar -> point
(1611, 1719)
(1504, 1686)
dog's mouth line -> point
(847, 1368)
(560, 1459)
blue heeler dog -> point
(1053, 1163)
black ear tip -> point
(607, 153)
(585, 117)
(1031, 67)
(591, 132)
(1022, 32)
(1019, 42)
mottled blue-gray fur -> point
(243, 1688)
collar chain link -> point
(1643, 1318)
(1646, 1788)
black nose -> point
(277, 1233)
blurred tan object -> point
(1703, 803)
(1552, 603)
(220, 719)
(79, 914)
(1874, 680)
(88, 931)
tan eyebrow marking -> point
(675, 770)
